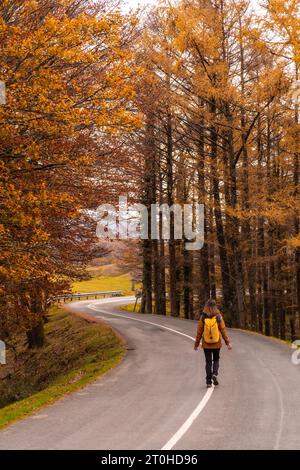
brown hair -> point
(211, 308)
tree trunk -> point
(148, 199)
(296, 220)
(212, 259)
(172, 242)
(233, 236)
(204, 288)
(226, 285)
(159, 257)
(36, 336)
(188, 284)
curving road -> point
(156, 398)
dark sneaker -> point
(208, 385)
(215, 380)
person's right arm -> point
(222, 328)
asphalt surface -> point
(156, 398)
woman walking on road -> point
(210, 329)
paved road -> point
(156, 398)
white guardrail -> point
(88, 295)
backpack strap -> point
(218, 317)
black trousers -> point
(212, 357)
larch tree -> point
(224, 131)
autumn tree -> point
(224, 132)
(69, 77)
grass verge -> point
(104, 283)
(76, 353)
(130, 308)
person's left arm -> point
(199, 334)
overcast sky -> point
(136, 3)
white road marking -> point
(104, 318)
(199, 408)
(188, 423)
(38, 416)
(92, 307)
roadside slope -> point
(75, 353)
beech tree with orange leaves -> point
(69, 77)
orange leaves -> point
(42, 71)
(294, 242)
(273, 82)
(70, 79)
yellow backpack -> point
(211, 330)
